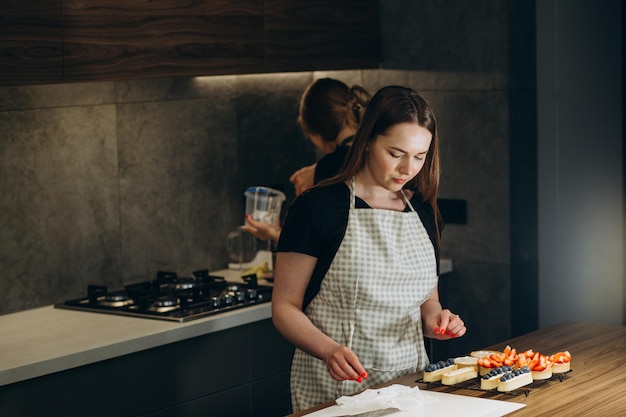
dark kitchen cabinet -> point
(121, 39)
(238, 372)
(31, 42)
(105, 40)
(304, 35)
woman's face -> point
(398, 156)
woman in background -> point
(329, 115)
(356, 271)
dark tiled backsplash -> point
(107, 183)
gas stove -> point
(173, 298)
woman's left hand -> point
(445, 325)
(262, 230)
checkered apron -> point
(370, 301)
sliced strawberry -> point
(498, 357)
(541, 365)
(495, 364)
(561, 357)
(534, 361)
(507, 350)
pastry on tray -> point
(515, 379)
(434, 371)
(459, 375)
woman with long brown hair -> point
(357, 265)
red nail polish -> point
(436, 330)
(364, 374)
(442, 331)
(359, 379)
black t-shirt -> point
(329, 165)
(316, 223)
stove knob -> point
(252, 294)
(228, 299)
(215, 302)
(240, 297)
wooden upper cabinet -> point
(52, 41)
(307, 35)
(31, 42)
(122, 39)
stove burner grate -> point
(173, 298)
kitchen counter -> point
(46, 340)
(595, 386)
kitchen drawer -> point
(138, 383)
(270, 352)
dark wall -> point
(580, 204)
(431, 35)
(523, 167)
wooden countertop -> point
(596, 386)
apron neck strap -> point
(352, 194)
(353, 197)
(408, 203)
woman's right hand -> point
(303, 178)
(292, 272)
(343, 364)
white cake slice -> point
(491, 380)
(459, 375)
(515, 379)
(434, 371)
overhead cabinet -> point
(31, 42)
(75, 40)
(121, 39)
(312, 35)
